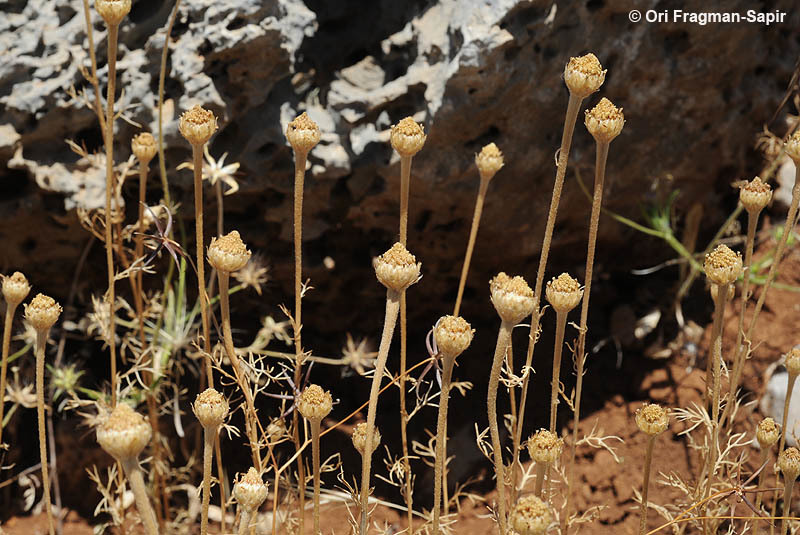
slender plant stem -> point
(41, 342)
(162, 74)
(244, 522)
(134, 474)
(788, 486)
(761, 476)
(541, 468)
(390, 320)
(10, 309)
(789, 389)
(139, 248)
(405, 186)
(503, 342)
(561, 324)
(648, 458)
(315, 461)
(441, 445)
(473, 234)
(222, 484)
(197, 157)
(209, 434)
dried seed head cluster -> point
(755, 195)
(489, 161)
(453, 335)
(604, 121)
(124, 434)
(228, 253)
(144, 147)
(397, 269)
(197, 125)
(303, 133)
(315, 403)
(722, 265)
(792, 362)
(545, 446)
(793, 147)
(789, 463)
(15, 288)
(42, 312)
(360, 438)
(113, 11)
(250, 491)
(211, 408)
(584, 75)
(563, 293)
(531, 516)
(652, 419)
(768, 433)
(407, 137)
(511, 297)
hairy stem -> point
(244, 522)
(10, 309)
(134, 474)
(197, 158)
(315, 462)
(473, 234)
(139, 248)
(209, 434)
(761, 476)
(648, 458)
(41, 342)
(503, 342)
(788, 486)
(561, 324)
(162, 74)
(541, 468)
(441, 444)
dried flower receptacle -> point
(250, 492)
(15, 289)
(652, 420)
(315, 404)
(211, 409)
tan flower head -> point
(360, 438)
(211, 408)
(545, 447)
(124, 434)
(197, 125)
(303, 133)
(453, 335)
(793, 147)
(604, 121)
(768, 433)
(314, 403)
(652, 419)
(228, 253)
(250, 491)
(792, 362)
(15, 288)
(113, 11)
(584, 75)
(563, 293)
(789, 463)
(755, 195)
(144, 147)
(511, 297)
(531, 516)
(397, 269)
(42, 312)
(489, 161)
(722, 265)
(407, 137)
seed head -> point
(545, 447)
(511, 297)
(531, 516)
(722, 265)
(584, 75)
(792, 362)
(789, 463)
(604, 121)
(211, 408)
(755, 195)
(407, 137)
(303, 133)
(453, 335)
(197, 125)
(314, 403)
(276, 429)
(42, 312)
(793, 147)
(228, 253)
(250, 491)
(360, 438)
(113, 11)
(144, 147)
(652, 419)
(489, 161)
(124, 434)
(563, 293)
(15, 288)
(768, 433)
(397, 269)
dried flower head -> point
(489, 161)
(584, 75)
(397, 269)
(303, 133)
(360, 438)
(545, 446)
(531, 516)
(42, 312)
(792, 362)
(768, 433)
(755, 195)
(407, 137)
(211, 408)
(15, 288)
(250, 491)
(511, 297)
(124, 434)
(144, 147)
(453, 335)
(793, 147)
(113, 11)
(315, 403)
(722, 265)
(197, 125)
(276, 430)
(563, 293)
(652, 419)
(228, 253)
(789, 463)
(604, 121)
